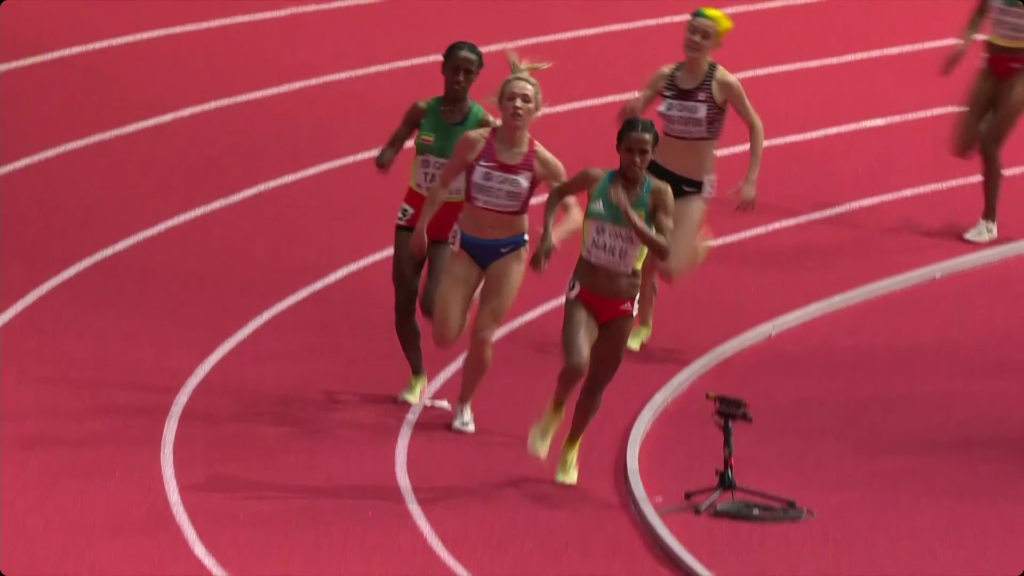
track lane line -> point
(189, 111)
(177, 30)
(764, 331)
(405, 434)
(267, 186)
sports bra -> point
(1007, 23)
(691, 114)
(500, 187)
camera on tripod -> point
(729, 408)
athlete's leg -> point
(405, 276)
(579, 330)
(979, 104)
(1009, 103)
(648, 292)
(687, 220)
(459, 280)
(437, 255)
(501, 285)
(605, 359)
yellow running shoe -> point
(638, 337)
(568, 469)
(411, 395)
(541, 432)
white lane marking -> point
(175, 30)
(267, 186)
(682, 381)
(405, 435)
(356, 73)
(401, 450)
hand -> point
(385, 159)
(630, 108)
(953, 59)
(418, 242)
(539, 261)
(747, 193)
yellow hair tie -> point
(722, 22)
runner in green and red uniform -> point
(439, 122)
(628, 214)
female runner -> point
(996, 101)
(624, 209)
(504, 166)
(695, 94)
(440, 122)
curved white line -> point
(174, 417)
(405, 434)
(682, 381)
(175, 30)
(205, 209)
(356, 73)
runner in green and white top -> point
(628, 215)
(438, 123)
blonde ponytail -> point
(520, 70)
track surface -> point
(285, 454)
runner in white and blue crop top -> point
(996, 101)
(504, 166)
(695, 94)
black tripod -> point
(727, 410)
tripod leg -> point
(707, 503)
(691, 493)
(789, 503)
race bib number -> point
(610, 246)
(428, 174)
(499, 191)
(684, 119)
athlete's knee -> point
(427, 304)
(990, 146)
(483, 332)
(574, 363)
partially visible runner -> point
(995, 103)
(504, 167)
(439, 122)
(695, 95)
(628, 213)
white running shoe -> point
(982, 233)
(463, 421)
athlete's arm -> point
(737, 97)
(974, 24)
(410, 123)
(465, 150)
(650, 91)
(551, 170)
(663, 204)
(582, 180)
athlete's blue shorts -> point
(487, 251)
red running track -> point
(896, 420)
(285, 454)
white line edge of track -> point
(226, 201)
(405, 434)
(179, 29)
(261, 94)
(765, 331)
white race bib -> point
(1007, 21)
(684, 119)
(499, 191)
(428, 173)
(609, 246)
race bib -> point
(609, 246)
(499, 191)
(428, 174)
(405, 214)
(684, 119)
(1007, 21)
